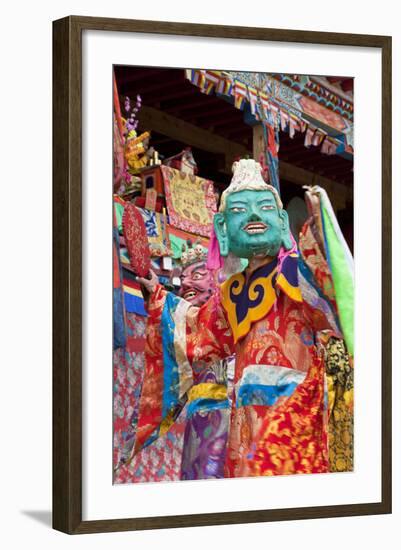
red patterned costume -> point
(276, 320)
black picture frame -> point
(67, 274)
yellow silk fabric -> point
(207, 390)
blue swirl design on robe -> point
(241, 296)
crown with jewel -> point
(192, 253)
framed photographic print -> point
(221, 275)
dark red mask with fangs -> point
(196, 283)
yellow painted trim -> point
(132, 291)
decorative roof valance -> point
(291, 103)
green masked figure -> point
(276, 316)
(252, 224)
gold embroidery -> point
(339, 372)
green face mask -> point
(252, 225)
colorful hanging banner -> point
(191, 202)
(276, 100)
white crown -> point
(247, 174)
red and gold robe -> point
(275, 321)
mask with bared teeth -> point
(251, 220)
(197, 283)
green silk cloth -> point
(342, 269)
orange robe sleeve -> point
(178, 334)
